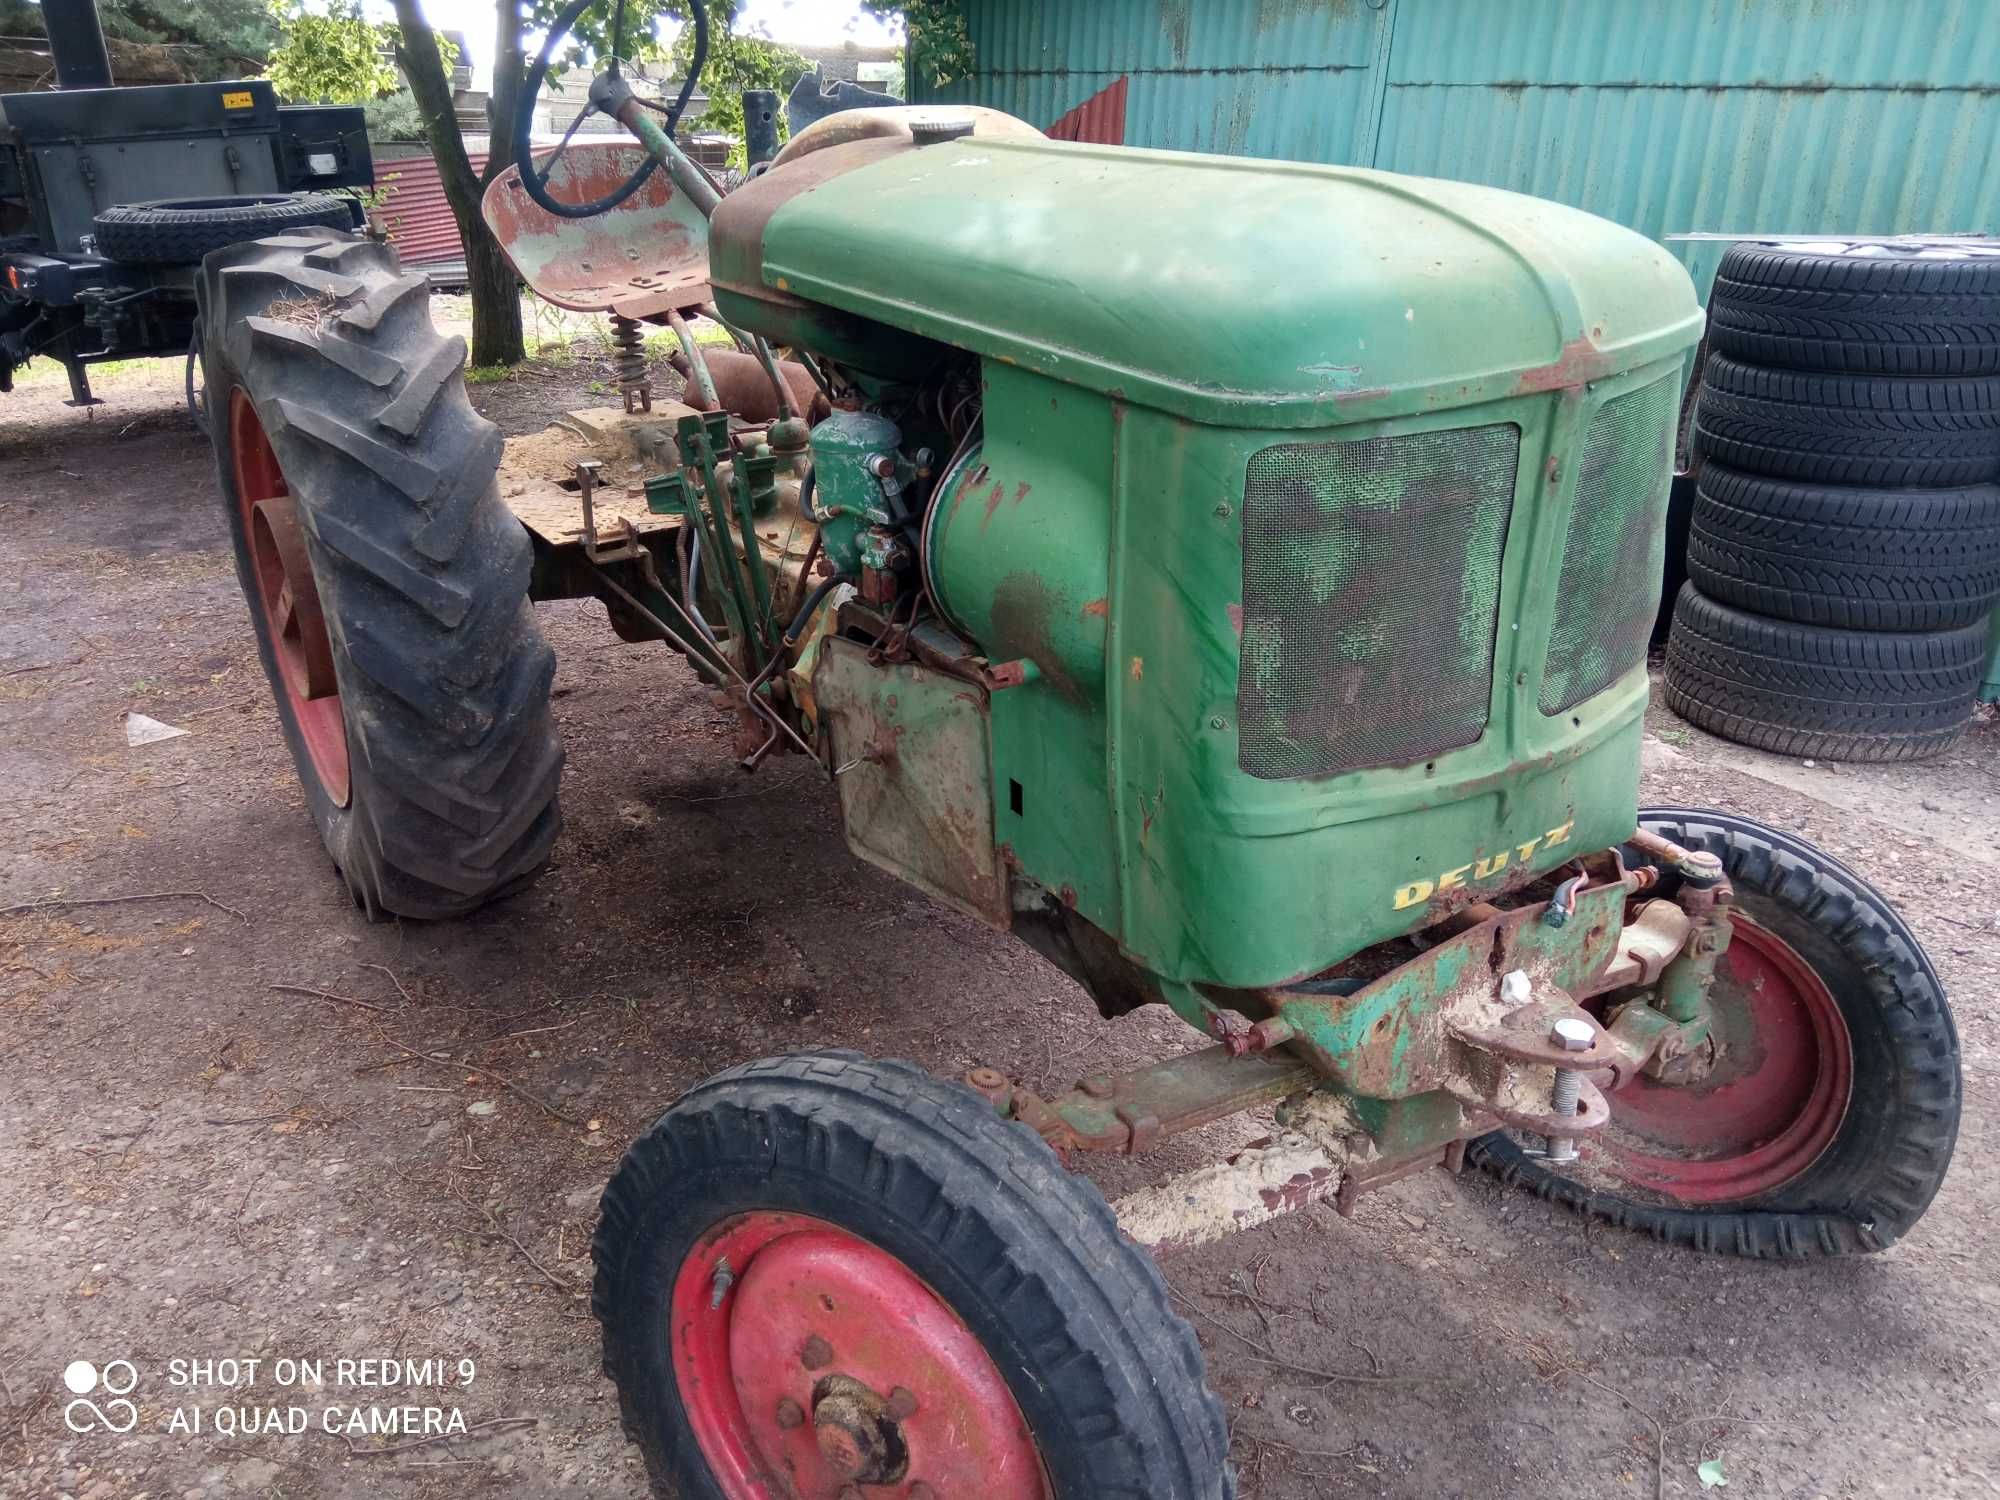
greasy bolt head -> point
(838, 1447)
(856, 1435)
(1272, 1031)
(817, 1354)
(1701, 867)
(1516, 987)
(1572, 1035)
(902, 1404)
(790, 1414)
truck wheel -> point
(180, 231)
(388, 585)
(1829, 1115)
(1929, 307)
(1808, 690)
(1857, 559)
(821, 1273)
(1882, 430)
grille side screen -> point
(1616, 548)
(1371, 588)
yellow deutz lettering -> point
(1411, 894)
(1483, 868)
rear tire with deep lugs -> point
(360, 488)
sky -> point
(829, 22)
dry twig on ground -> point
(59, 903)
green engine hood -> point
(1259, 293)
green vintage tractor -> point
(1234, 579)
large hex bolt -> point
(1571, 1035)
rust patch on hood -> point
(1581, 361)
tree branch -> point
(510, 64)
(496, 305)
(417, 54)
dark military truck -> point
(109, 198)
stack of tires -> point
(1845, 548)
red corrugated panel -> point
(1099, 119)
(420, 223)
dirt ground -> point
(213, 1143)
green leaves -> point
(736, 63)
(937, 45)
(590, 40)
(333, 57)
(337, 57)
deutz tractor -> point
(1231, 577)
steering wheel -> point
(608, 92)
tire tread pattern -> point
(1908, 1138)
(1807, 690)
(163, 233)
(1057, 1286)
(1891, 314)
(1849, 429)
(444, 675)
(1858, 559)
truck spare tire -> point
(180, 231)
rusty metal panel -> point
(1738, 116)
(912, 762)
(1270, 79)
(413, 205)
(1722, 115)
(647, 255)
(1100, 119)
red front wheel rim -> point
(1782, 1080)
(814, 1365)
(287, 596)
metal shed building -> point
(1873, 116)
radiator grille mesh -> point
(1371, 583)
(1616, 547)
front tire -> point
(388, 584)
(847, 1272)
(1829, 1130)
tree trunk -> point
(496, 300)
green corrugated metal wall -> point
(1739, 116)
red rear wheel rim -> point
(1782, 1079)
(288, 598)
(811, 1363)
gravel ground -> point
(214, 1146)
